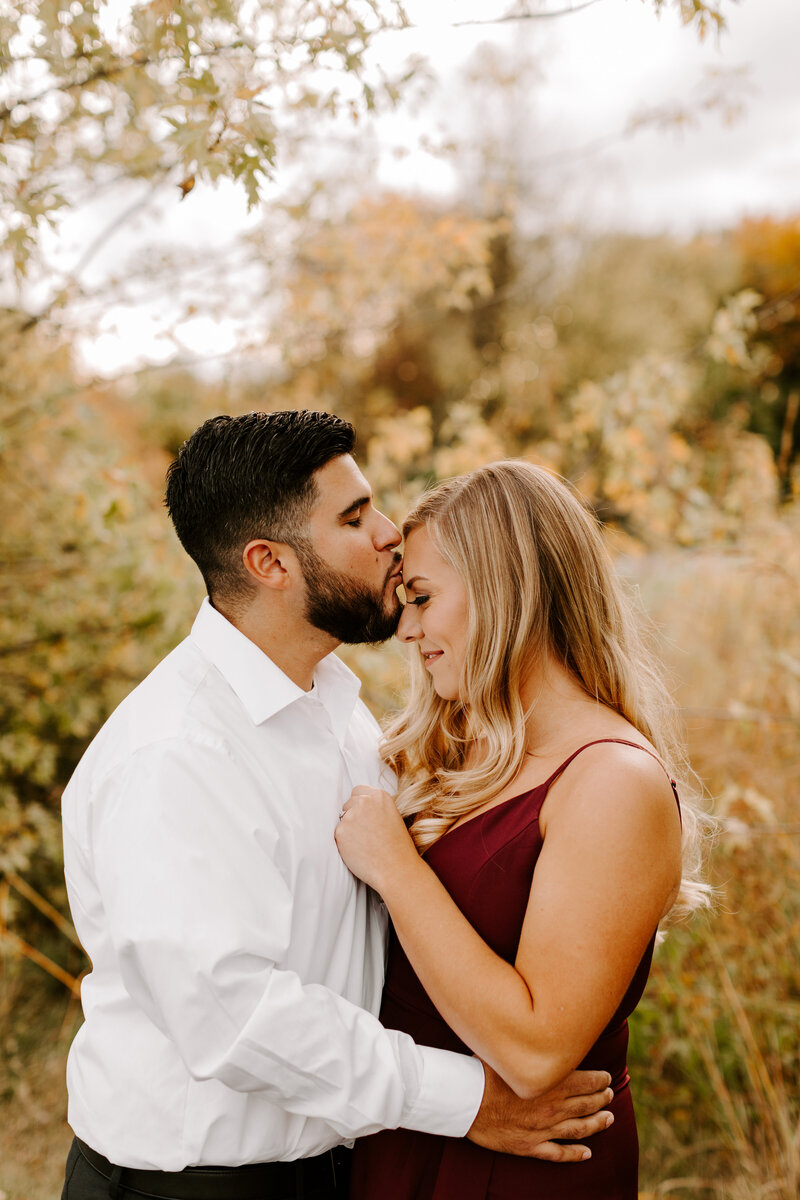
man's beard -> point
(343, 607)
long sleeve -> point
(200, 878)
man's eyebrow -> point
(354, 507)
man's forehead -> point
(340, 483)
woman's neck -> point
(554, 702)
(557, 709)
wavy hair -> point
(538, 578)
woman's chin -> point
(444, 692)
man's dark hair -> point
(240, 478)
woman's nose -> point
(408, 629)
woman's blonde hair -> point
(538, 578)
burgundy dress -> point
(487, 866)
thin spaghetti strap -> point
(621, 742)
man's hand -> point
(572, 1109)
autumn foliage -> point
(661, 376)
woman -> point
(532, 761)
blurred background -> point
(564, 231)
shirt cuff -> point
(450, 1093)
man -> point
(230, 1042)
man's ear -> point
(270, 563)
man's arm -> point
(188, 864)
(200, 913)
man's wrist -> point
(450, 1094)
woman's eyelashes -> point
(418, 601)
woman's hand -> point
(372, 839)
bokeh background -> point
(563, 231)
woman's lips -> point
(432, 656)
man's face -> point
(350, 560)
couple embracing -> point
(238, 831)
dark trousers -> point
(294, 1181)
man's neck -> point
(292, 644)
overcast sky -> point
(594, 70)
(714, 173)
(601, 66)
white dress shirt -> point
(237, 965)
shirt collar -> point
(262, 687)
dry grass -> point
(38, 1024)
(717, 1040)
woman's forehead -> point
(422, 558)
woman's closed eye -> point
(418, 601)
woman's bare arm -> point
(608, 869)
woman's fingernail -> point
(586, 1154)
(609, 1120)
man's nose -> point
(387, 535)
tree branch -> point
(69, 85)
(110, 70)
(156, 181)
(44, 906)
(529, 16)
(787, 436)
(24, 948)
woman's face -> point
(435, 614)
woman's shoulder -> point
(619, 743)
(615, 771)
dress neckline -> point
(493, 808)
(546, 784)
